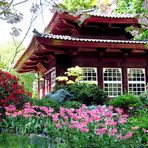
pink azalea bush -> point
(99, 124)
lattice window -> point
(136, 80)
(112, 81)
(90, 74)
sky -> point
(40, 23)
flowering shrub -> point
(74, 127)
(11, 92)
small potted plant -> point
(74, 72)
(62, 79)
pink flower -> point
(55, 117)
(146, 131)
(122, 120)
(100, 131)
(112, 131)
(71, 126)
(113, 123)
(62, 110)
(119, 137)
(119, 111)
(10, 108)
(135, 128)
(110, 108)
(128, 135)
(58, 125)
(14, 115)
(84, 130)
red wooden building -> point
(99, 45)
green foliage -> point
(144, 99)
(47, 102)
(129, 6)
(88, 94)
(142, 35)
(28, 80)
(75, 5)
(140, 119)
(72, 104)
(125, 101)
(73, 74)
(74, 71)
(8, 140)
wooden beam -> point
(126, 52)
(30, 50)
(73, 43)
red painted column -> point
(124, 80)
(100, 76)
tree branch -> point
(16, 50)
(20, 2)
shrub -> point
(85, 93)
(144, 99)
(11, 92)
(140, 118)
(48, 103)
(72, 104)
(125, 101)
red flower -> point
(11, 92)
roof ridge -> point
(67, 37)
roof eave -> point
(25, 56)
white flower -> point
(113, 7)
(82, 18)
(13, 18)
(143, 21)
(34, 8)
(112, 2)
(15, 32)
(134, 32)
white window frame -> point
(136, 82)
(112, 82)
(90, 81)
(53, 79)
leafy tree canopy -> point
(9, 12)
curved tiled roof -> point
(70, 38)
(96, 12)
(113, 15)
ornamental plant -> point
(11, 92)
(75, 127)
(125, 101)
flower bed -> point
(74, 127)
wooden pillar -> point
(100, 76)
(124, 80)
